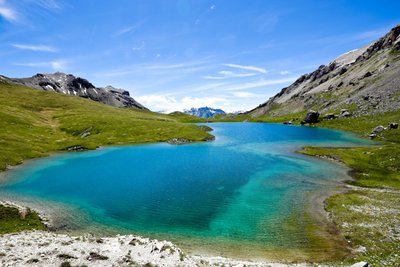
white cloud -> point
(41, 48)
(141, 46)
(169, 104)
(243, 94)
(255, 84)
(8, 13)
(211, 8)
(253, 68)
(225, 74)
(284, 72)
(55, 65)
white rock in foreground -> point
(39, 248)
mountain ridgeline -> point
(365, 81)
(204, 112)
(70, 85)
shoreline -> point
(320, 200)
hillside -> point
(68, 84)
(364, 81)
(34, 123)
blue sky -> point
(176, 54)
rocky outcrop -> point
(365, 81)
(311, 117)
(70, 85)
(178, 141)
(393, 125)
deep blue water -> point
(244, 186)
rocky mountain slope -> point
(364, 81)
(70, 85)
(204, 112)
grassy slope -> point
(34, 123)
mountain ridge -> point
(204, 112)
(71, 85)
(365, 81)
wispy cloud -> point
(51, 5)
(211, 8)
(128, 29)
(284, 72)
(41, 48)
(7, 12)
(55, 65)
(225, 74)
(229, 87)
(243, 67)
(160, 68)
(243, 94)
(256, 84)
(140, 46)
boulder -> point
(378, 129)
(311, 117)
(393, 126)
(330, 116)
(287, 122)
(360, 264)
(344, 113)
(372, 136)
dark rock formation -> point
(76, 148)
(311, 117)
(330, 116)
(393, 126)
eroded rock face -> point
(70, 85)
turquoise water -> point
(244, 186)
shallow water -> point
(245, 186)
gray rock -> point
(330, 116)
(360, 264)
(378, 129)
(393, 126)
(311, 117)
(372, 136)
(345, 114)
